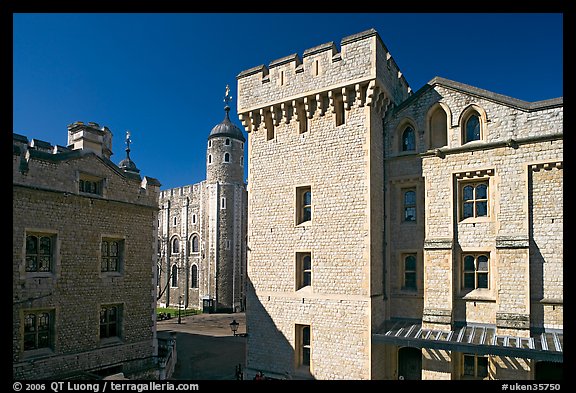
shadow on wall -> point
(268, 350)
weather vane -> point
(128, 141)
(227, 97)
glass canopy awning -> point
(481, 340)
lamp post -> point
(234, 326)
(179, 309)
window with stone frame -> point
(303, 270)
(409, 208)
(226, 157)
(38, 329)
(90, 184)
(474, 366)
(409, 272)
(408, 139)
(195, 243)
(303, 204)
(474, 199)
(40, 252)
(475, 271)
(472, 128)
(174, 276)
(303, 346)
(175, 246)
(112, 252)
(110, 321)
(194, 276)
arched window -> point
(195, 244)
(174, 281)
(410, 205)
(408, 139)
(194, 277)
(209, 158)
(227, 157)
(438, 128)
(410, 272)
(472, 128)
(175, 246)
(227, 142)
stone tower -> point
(226, 206)
(202, 229)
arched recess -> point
(439, 122)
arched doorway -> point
(410, 363)
(548, 370)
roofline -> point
(482, 93)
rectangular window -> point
(474, 367)
(90, 184)
(475, 270)
(223, 203)
(112, 254)
(269, 124)
(38, 330)
(303, 205)
(339, 109)
(474, 199)
(193, 218)
(303, 346)
(40, 252)
(409, 198)
(303, 270)
(409, 269)
(110, 321)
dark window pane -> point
(103, 331)
(305, 356)
(469, 263)
(104, 265)
(467, 210)
(31, 264)
(113, 267)
(306, 279)
(482, 280)
(45, 246)
(306, 262)
(468, 193)
(307, 214)
(481, 191)
(473, 129)
(113, 249)
(482, 364)
(44, 265)
(469, 365)
(410, 263)
(410, 214)
(410, 198)
(469, 280)
(104, 248)
(410, 280)
(408, 139)
(30, 323)
(481, 209)
(31, 245)
(112, 330)
(103, 313)
(307, 199)
(306, 335)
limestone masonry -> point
(396, 234)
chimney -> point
(90, 137)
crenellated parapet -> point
(363, 73)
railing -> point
(167, 356)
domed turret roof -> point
(226, 127)
(127, 164)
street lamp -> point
(179, 309)
(234, 326)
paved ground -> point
(205, 346)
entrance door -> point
(548, 370)
(410, 363)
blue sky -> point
(163, 76)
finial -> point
(227, 98)
(128, 141)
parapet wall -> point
(363, 66)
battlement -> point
(362, 73)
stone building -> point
(396, 234)
(83, 289)
(202, 230)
